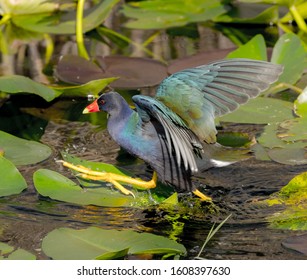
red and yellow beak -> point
(92, 108)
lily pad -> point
(21, 151)
(96, 243)
(11, 181)
(64, 23)
(56, 186)
(129, 70)
(198, 59)
(159, 14)
(296, 243)
(253, 49)
(289, 52)
(7, 253)
(5, 248)
(261, 110)
(16, 84)
(20, 84)
(250, 14)
(74, 69)
(93, 87)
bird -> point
(174, 131)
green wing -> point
(200, 94)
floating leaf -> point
(296, 243)
(261, 110)
(93, 87)
(129, 70)
(96, 243)
(198, 59)
(249, 14)
(21, 151)
(289, 52)
(291, 154)
(20, 84)
(164, 14)
(253, 49)
(56, 186)
(74, 69)
(19, 254)
(11, 181)
(27, 7)
(5, 248)
(65, 23)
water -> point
(237, 189)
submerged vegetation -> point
(52, 51)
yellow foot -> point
(202, 196)
(114, 179)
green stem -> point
(284, 28)
(283, 86)
(5, 18)
(79, 30)
(49, 47)
(298, 18)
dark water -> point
(237, 189)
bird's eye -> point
(101, 102)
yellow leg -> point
(202, 196)
(112, 178)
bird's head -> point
(106, 102)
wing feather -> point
(200, 94)
(181, 141)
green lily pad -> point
(93, 87)
(56, 186)
(64, 23)
(96, 243)
(5, 248)
(250, 14)
(159, 14)
(253, 49)
(11, 181)
(20, 84)
(289, 52)
(19, 254)
(21, 151)
(291, 154)
(261, 110)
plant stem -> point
(79, 30)
(298, 18)
(49, 47)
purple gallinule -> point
(174, 131)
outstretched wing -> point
(200, 94)
(180, 139)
